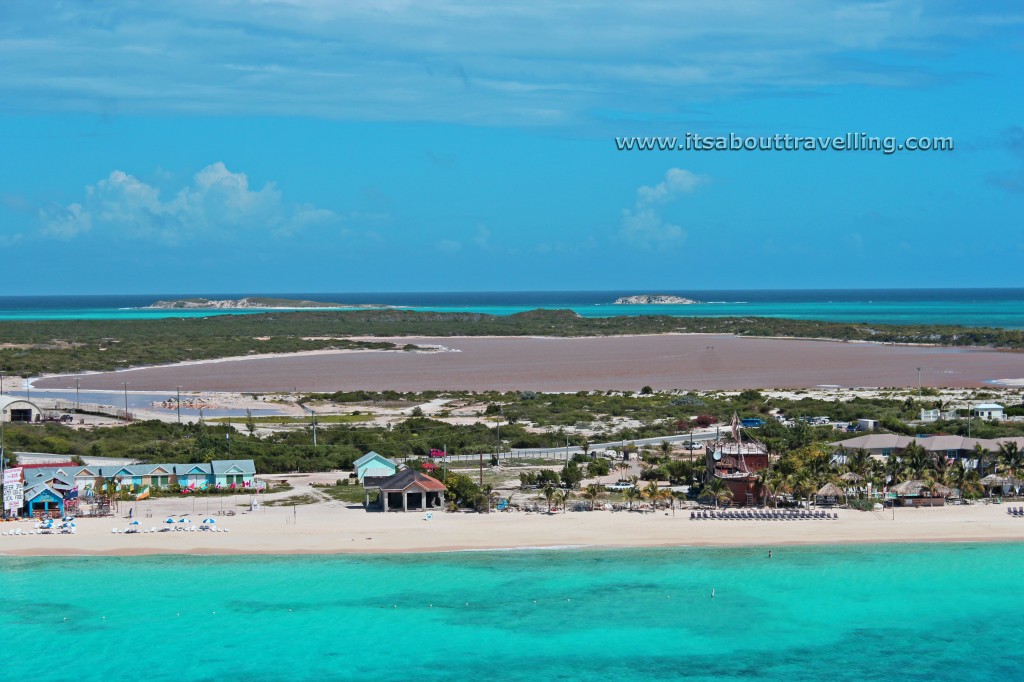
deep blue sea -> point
(968, 307)
(852, 613)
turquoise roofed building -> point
(50, 488)
(374, 465)
(42, 499)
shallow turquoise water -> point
(937, 612)
(968, 307)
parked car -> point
(619, 485)
(692, 445)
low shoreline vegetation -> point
(56, 346)
(526, 420)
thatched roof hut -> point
(922, 488)
(910, 488)
(830, 490)
(995, 480)
(852, 477)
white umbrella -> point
(209, 521)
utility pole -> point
(178, 404)
(919, 383)
(126, 401)
(78, 404)
(313, 413)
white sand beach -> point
(335, 527)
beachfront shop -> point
(42, 500)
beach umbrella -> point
(209, 521)
(169, 520)
(184, 520)
(134, 523)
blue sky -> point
(458, 145)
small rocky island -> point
(653, 299)
(252, 302)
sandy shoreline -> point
(665, 361)
(334, 528)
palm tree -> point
(110, 492)
(966, 479)
(548, 494)
(1011, 457)
(984, 457)
(591, 494)
(623, 466)
(858, 461)
(666, 448)
(562, 496)
(653, 493)
(632, 495)
(893, 469)
(718, 490)
(489, 496)
(767, 480)
(802, 485)
(916, 460)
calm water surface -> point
(930, 612)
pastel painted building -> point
(42, 499)
(373, 465)
(237, 472)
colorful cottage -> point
(374, 465)
(42, 499)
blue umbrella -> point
(209, 521)
(134, 523)
(184, 520)
(169, 521)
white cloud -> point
(218, 203)
(677, 181)
(512, 62)
(64, 222)
(643, 225)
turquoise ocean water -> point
(969, 307)
(870, 612)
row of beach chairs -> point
(762, 515)
(181, 529)
(1015, 511)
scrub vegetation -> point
(76, 345)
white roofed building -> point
(993, 411)
(16, 409)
